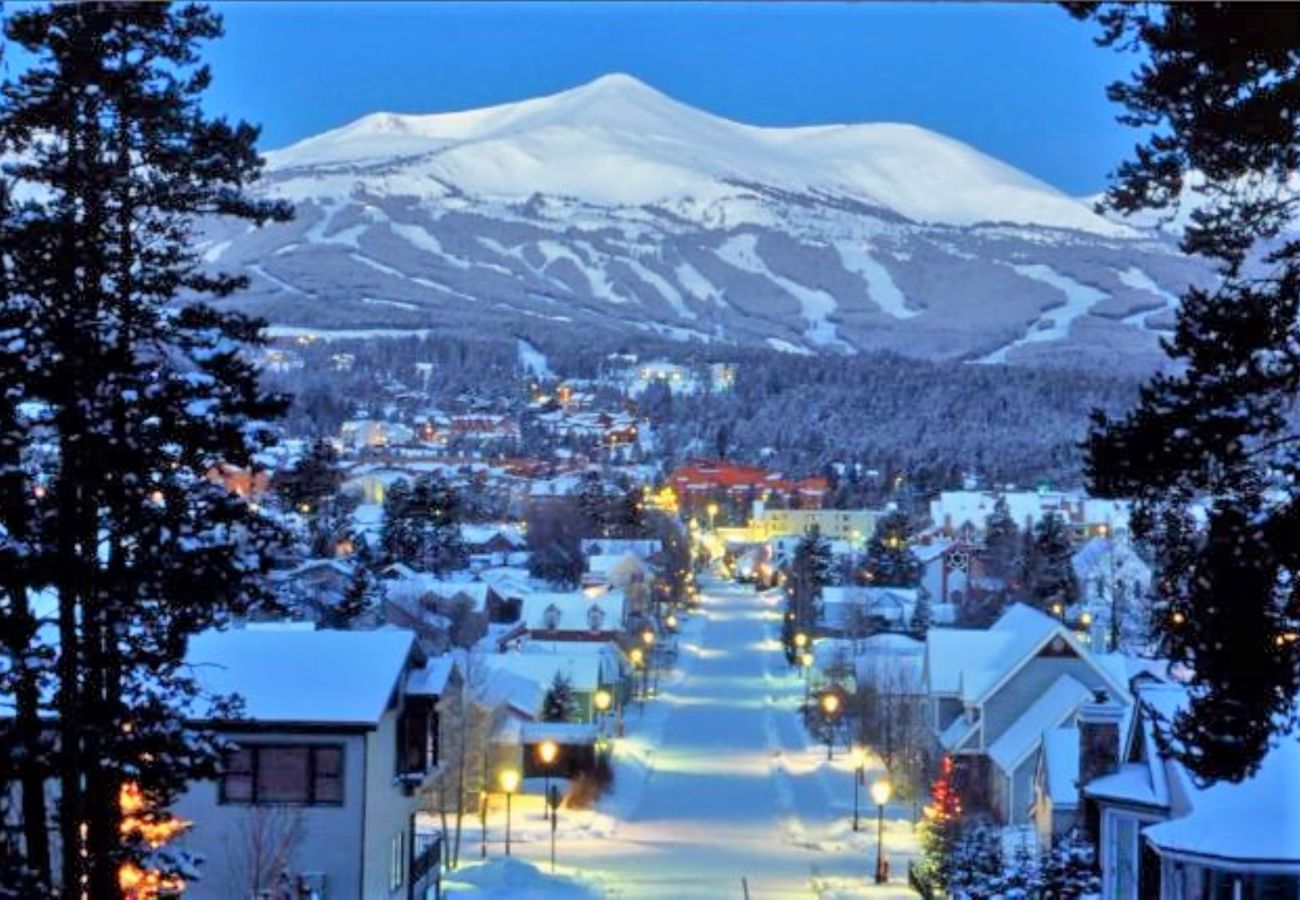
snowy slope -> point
(617, 140)
(612, 207)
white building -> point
(337, 741)
(957, 512)
(1164, 835)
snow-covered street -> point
(717, 782)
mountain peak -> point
(616, 82)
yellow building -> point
(853, 525)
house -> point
(947, 568)
(339, 736)
(994, 693)
(1161, 834)
(964, 513)
(574, 616)
(646, 549)
(618, 570)
(494, 544)
(1113, 579)
(847, 610)
(855, 526)
(315, 585)
(585, 672)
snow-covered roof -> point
(582, 669)
(958, 732)
(974, 662)
(642, 547)
(482, 534)
(560, 732)
(1265, 830)
(574, 610)
(295, 676)
(608, 564)
(1061, 763)
(431, 680)
(1130, 784)
(1050, 709)
(502, 687)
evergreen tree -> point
(434, 511)
(976, 867)
(594, 505)
(398, 538)
(559, 705)
(922, 616)
(140, 398)
(889, 561)
(626, 517)
(422, 525)
(312, 480)
(1048, 569)
(361, 600)
(940, 829)
(810, 571)
(1069, 869)
(1002, 543)
(329, 526)
(1215, 96)
(555, 542)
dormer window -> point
(595, 617)
(551, 617)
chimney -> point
(1098, 723)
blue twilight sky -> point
(1021, 82)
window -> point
(416, 752)
(397, 861)
(308, 774)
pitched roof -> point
(1052, 707)
(1266, 826)
(1061, 764)
(292, 675)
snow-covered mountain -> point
(612, 206)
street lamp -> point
(713, 514)
(859, 759)
(637, 656)
(509, 784)
(807, 659)
(830, 704)
(881, 791)
(547, 751)
(671, 621)
(648, 638)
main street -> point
(718, 781)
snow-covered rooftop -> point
(1049, 710)
(296, 676)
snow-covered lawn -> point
(717, 781)
(512, 879)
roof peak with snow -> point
(618, 140)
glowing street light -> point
(712, 509)
(509, 780)
(602, 700)
(881, 791)
(547, 751)
(807, 659)
(859, 759)
(830, 705)
(801, 640)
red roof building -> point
(735, 487)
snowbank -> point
(512, 879)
